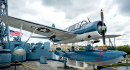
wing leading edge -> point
(41, 29)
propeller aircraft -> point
(83, 31)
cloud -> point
(123, 7)
(64, 13)
(113, 16)
(72, 8)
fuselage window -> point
(77, 26)
(71, 28)
(84, 22)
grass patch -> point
(119, 64)
(128, 56)
(124, 60)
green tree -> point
(81, 48)
(124, 48)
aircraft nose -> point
(124, 54)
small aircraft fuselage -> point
(85, 31)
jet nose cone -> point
(124, 54)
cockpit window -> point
(84, 22)
(76, 26)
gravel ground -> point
(51, 65)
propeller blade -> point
(103, 37)
(102, 17)
(103, 29)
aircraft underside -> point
(82, 37)
(82, 64)
(108, 62)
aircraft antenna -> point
(88, 20)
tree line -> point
(125, 48)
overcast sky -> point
(64, 13)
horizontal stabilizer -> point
(112, 36)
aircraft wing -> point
(112, 36)
(41, 29)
